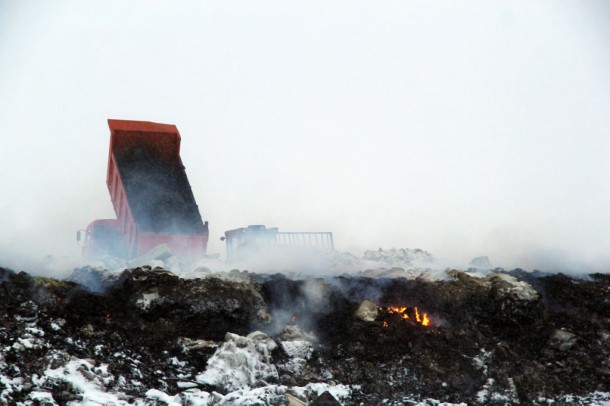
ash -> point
(146, 336)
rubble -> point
(403, 258)
(147, 336)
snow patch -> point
(147, 298)
(241, 362)
(42, 398)
(297, 349)
(88, 381)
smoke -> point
(48, 266)
(408, 125)
(97, 279)
(291, 260)
(5, 275)
(545, 247)
(297, 301)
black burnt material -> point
(160, 197)
(478, 333)
(486, 335)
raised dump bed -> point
(150, 193)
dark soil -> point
(483, 339)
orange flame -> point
(400, 310)
(421, 318)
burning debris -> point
(402, 313)
(369, 311)
(145, 335)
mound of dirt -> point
(147, 335)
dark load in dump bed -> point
(151, 195)
(158, 191)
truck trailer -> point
(151, 196)
(248, 242)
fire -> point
(426, 320)
(400, 310)
(403, 311)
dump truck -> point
(245, 242)
(151, 196)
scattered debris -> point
(146, 336)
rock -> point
(563, 340)
(367, 311)
(292, 400)
(325, 399)
(501, 284)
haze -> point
(462, 128)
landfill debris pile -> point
(147, 336)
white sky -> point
(463, 128)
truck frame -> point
(244, 242)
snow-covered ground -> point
(241, 367)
